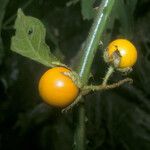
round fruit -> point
(126, 51)
(57, 89)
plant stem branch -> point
(89, 51)
(72, 104)
(108, 74)
(79, 138)
(89, 88)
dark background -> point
(115, 119)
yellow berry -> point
(127, 52)
(57, 89)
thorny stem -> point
(89, 51)
(108, 74)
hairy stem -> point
(90, 88)
(89, 51)
(108, 74)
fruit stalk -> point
(89, 52)
(108, 74)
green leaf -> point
(124, 12)
(87, 9)
(29, 40)
(71, 2)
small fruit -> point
(121, 53)
(57, 89)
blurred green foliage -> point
(115, 119)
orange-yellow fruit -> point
(57, 89)
(126, 50)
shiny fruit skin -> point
(127, 51)
(56, 89)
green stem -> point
(79, 138)
(108, 74)
(89, 51)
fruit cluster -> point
(58, 89)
